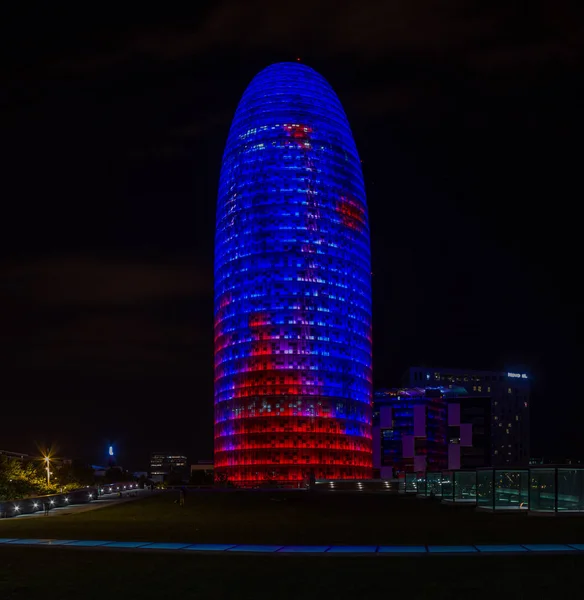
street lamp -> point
(48, 463)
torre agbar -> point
(293, 381)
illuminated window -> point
(488, 389)
(509, 390)
(480, 388)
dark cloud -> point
(83, 313)
(75, 280)
(398, 59)
(464, 31)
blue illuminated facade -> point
(293, 381)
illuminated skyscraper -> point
(293, 382)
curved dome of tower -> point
(293, 383)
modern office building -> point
(167, 464)
(469, 415)
(510, 394)
(293, 382)
(429, 429)
(409, 431)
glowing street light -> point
(48, 463)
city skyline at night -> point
(464, 118)
(293, 376)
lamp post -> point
(47, 460)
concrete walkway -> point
(72, 509)
(478, 550)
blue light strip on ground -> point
(209, 547)
(402, 549)
(164, 546)
(353, 549)
(88, 543)
(501, 548)
(254, 548)
(451, 549)
(549, 547)
(304, 549)
(56, 542)
(339, 550)
(126, 544)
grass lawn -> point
(51, 574)
(297, 518)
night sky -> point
(468, 119)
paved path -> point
(104, 501)
(478, 550)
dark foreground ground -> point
(51, 574)
(297, 518)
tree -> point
(77, 473)
(16, 481)
(21, 480)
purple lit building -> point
(509, 394)
(429, 429)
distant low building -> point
(202, 472)
(165, 466)
(98, 471)
(202, 465)
(17, 455)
